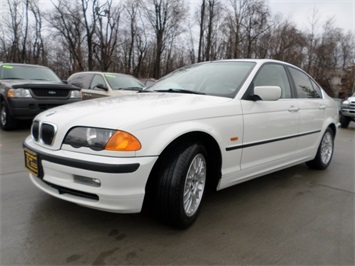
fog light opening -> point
(94, 182)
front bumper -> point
(119, 182)
(348, 113)
(28, 108)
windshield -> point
(24, 72)
(213, 78)
(123, 82)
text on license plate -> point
(31, 161)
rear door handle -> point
(322, 107)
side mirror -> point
(77, 84)
(268, 93)
(102, 87)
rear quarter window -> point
(304, 85)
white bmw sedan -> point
(208, 125)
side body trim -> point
(231, 148)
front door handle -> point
(293, 108)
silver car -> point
(102, 84)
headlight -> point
(102, 139)
(19, 93)
(345, 104)
(75, 94)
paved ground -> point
(293, 217)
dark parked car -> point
(102, 84)
(26, 90)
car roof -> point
(19, 64)
(101, 73)
(259, 62)
(253, 60)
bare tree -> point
(141, 41)
(14, 25)
(212, 13)
(246, 23)
(38, 50)
(347, 44)
(255, 25)
(202, 30)
(165, 17)
(90, 17)
(312, 39)
(25, 34)
(132, 9)
(287, 43)
(66, 19)
(108, 18)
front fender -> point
(222, 129)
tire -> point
(7, 122)
(182, 185)
(344, 121)
(325, 152)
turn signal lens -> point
(19, 93)
(123, 141)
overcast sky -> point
(300, 12)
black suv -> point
(26, 90)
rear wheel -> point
(325, 151)
(7, 122)
(182, 185)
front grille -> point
(35, 130)
(50, 93)
(47, 106)
(44, 133)
(47, 133)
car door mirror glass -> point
(268, 93)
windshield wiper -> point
(180, 91)
(131, 88)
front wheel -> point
(182, 185)
(325, 151)
(7, 122)
(344, 121)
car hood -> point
(16, 83)
(121, 92)
(30, 81)
(136, 111)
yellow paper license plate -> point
(31, 162)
